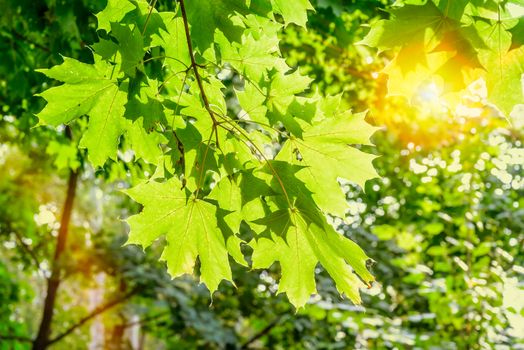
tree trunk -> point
(40, 343)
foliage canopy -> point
(452, 43)
(275, 165)
(444, 222)
(155, 87)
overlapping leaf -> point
(190, 226)
(452, 43)
(299, 243)
(217, 168)
(91, 90)
(325, 153)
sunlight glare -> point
(429, 93)
(44, 216)
(514, 299)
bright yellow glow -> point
(429, 93)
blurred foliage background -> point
(444, 224)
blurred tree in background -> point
(444, 223)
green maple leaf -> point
(408, 24)
(507, 90)
(114, 12)
(147, 104)
(497, 10)
(145, 145)
(253, 57)
(84, 83)
(87, 90)
(252, 102)
(277, 97)
(299, 237)
(452, 8)
(293, 11)
(199, 155)
(229, 200)
(325, 153)
(446, 42)
(283, 89)
(431, 42)
(299, 243)
(233, 154)
(206, 17)
(130, 46)
(173, 40)
(216, 172)
(504, 66)
(227, 16)
(106, 125)
(190, 227)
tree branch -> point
(29, 251)
(16, 338)
(194, 65)
(263, 332)
(207, 106)
(40, 343)
(97, 311)
(250, 144)
(29, 41)
(146, 320)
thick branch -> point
(40, 342)
(53, 282)
(99, 310)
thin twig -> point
(159, 90)
(263, 332)
(207, 106)
(241, 131)
(29, 251)
(16, 338)
(238, 121)
(30, 41)
(201, 178)
(170, 57)
(194, 64)
(146, 319)
(149, 16)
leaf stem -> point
(203, 165)
(165, 56)
(238, 121)
(159, 90)
(152, 6)
(212, 114)
(241, 131)
(198, 78)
